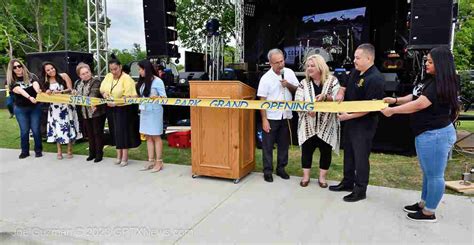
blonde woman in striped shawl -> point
(317, 129)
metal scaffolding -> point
(239, 31)
(97, 35)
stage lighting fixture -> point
(249, 9)
(212, 27)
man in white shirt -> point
(276, 84)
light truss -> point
(97, 35)
(239, 31)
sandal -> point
(151, 163)
(69, 156)
(124, 163)
(60, 156)
(118, 161)
(158, 162)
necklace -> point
(116, 82)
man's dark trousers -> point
(358, 136)
(278, 134)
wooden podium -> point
(222, 140)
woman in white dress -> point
(63, 124)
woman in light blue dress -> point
(151, 115)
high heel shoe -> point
(124, 163)
(151, 163)
(159, 167)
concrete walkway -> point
(46, 200)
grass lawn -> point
(466, 125)
(386, 169)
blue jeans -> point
(9, 102)
(29, 118)
(433, 148)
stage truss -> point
(239, 31)
(97, 35)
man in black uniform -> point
(365, 83)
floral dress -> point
(63, 124)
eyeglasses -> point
(17, 66)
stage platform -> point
(49, 201)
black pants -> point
(95, 132)
(110, 123)
(126, 126)
(278, 134)
(308, 148)
(358, 136)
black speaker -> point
(194, 61)
(160, 23)
(430, 23)
(65, 61)
(391, 82)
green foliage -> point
(180, 68)
(193, 16)
(467, 87)
(229, 55)
(464, 36)
(37, 26)
(128, 55)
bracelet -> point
(396, 100)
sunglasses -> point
(17, 66)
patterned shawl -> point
(325, 125)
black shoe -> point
(282, 173)
(90, 158)
(268, 177)
(24, 155)
(354, 197)
(38, 154)
(341, 187)
(98, 159)
(412, 208)
(420, 216)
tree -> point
(464, 39)
(192, 18)
(126, 56)
(37, 26)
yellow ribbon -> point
(346, 106)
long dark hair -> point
(150, 74)
(45, 76)
(446, 79)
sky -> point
(127, 26)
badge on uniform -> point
(360, 83)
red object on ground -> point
(180, 139)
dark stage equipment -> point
(430, 23)
(65, 61)
(160, 28)
(194, 61)
(334, 28)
